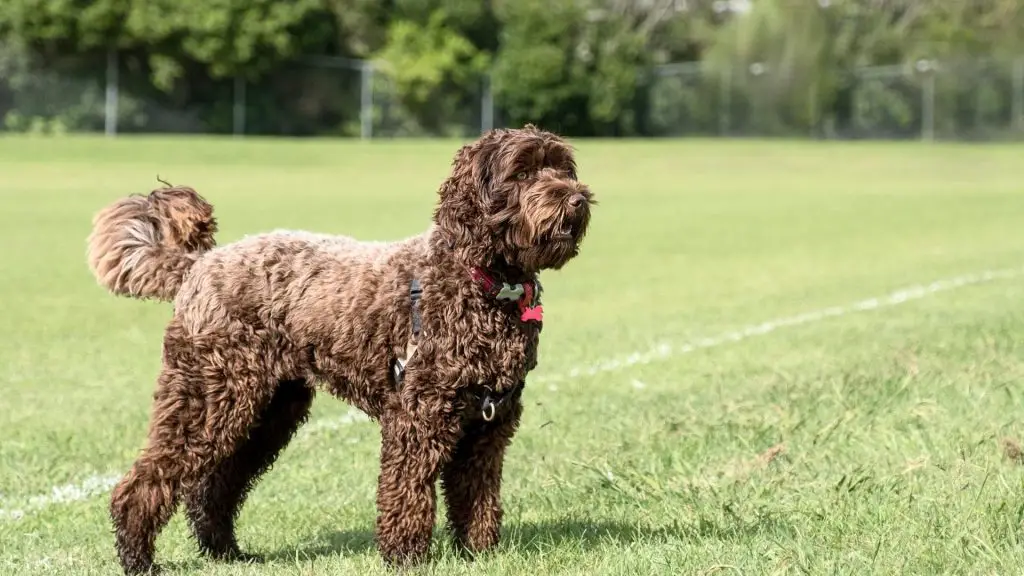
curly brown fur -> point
(471, 481)
(259, 322)
(213, 506)
(142, 246)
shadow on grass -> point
(333, 543)
(526, 537)
(515, 536)
(587, 535)
(337, 542)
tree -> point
(583, 67)
(436, 74)
(578, 67)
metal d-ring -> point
(488, 411)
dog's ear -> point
(459, 206)
(570, 161)
(467, 193)
(485, 169)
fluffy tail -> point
(143, 246)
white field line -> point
(100, 484)
(666, 349)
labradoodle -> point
(431, 336)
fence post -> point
(1018, 94)
(238, 111)
(927, 100)
(813, 115)
(110, 104)
(725, 101)
(366, 100)
(487, 106)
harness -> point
(415, 293)
(526, 296)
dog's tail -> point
(143, 246)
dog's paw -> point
(403, 560)
(471, 552)
(235, 555)
(151, 570)
(245, 558)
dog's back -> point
(299, 284)
(301, 294)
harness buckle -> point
(415, 293)
(489, 405)
(489, 409)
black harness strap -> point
(490, 402)
(415, 293)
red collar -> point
(527, 295)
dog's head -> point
(513, 198)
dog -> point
(432, 337)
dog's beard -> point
(552, 254)
(545, 233)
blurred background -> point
(824, 69)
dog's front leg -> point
(472, 480)
(414, 446)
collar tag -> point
(509, 292)
(530, 309)
(533, 314)
(526, 295)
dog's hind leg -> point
(214, 505)
(144, 500)
(471, 481)
(205, 404)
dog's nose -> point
(577, 200)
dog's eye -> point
(520, 176)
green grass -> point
(866, 443)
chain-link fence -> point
(324, 96)
(966, 99)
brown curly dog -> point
(432, 337)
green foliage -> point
(880, 104)
(63, 25)
(359, 26)
(583, 67)
(44, 103)
(615, 74)
(228, 36)
(568, 66)
(431, 68)
(538, 72)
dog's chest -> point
(509, 347)
(491, 346)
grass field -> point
(853, 442)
